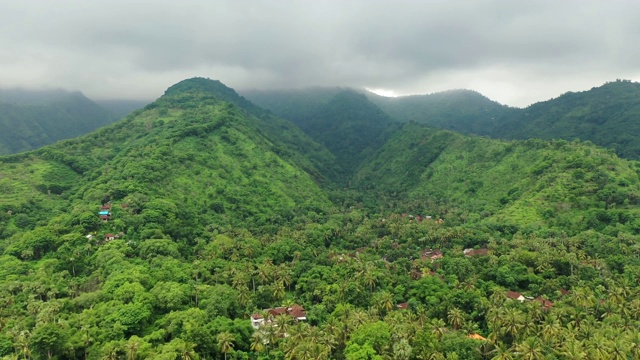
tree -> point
(257, 342)
(47, 339)
(530, 349)
(225, 342)
(456, 318)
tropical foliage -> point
(219, 210)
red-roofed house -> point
(296, 311)
(431, 254)
(564, 292)
(514, 295)
(544, 302)
(257, 320)
(109, 237)
(403, 306)
(475, 252)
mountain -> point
(463, 111)
(570, 186)
(31, 119)
(297, 105)
(193, 146)
(350, 126)
(605, 115)
(608, 116)
(227, 231)
(343, 120)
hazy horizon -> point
(514, 53)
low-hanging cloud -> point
(513, 52)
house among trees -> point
(296, 311)
(476, 252)
(431, 254)
(105, 212)
(109, 237)
(546, 303)
(475, 336)
(514, 295)
(403, 306)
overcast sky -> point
(515, 52)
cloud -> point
(513, 52)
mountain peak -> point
(200, 84)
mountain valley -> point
(328, 223)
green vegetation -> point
(606, 115)
(219, 210)
(31, 119)
(464, 111)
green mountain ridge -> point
(220, 211)
(195, 132)
(31, 119)
(568, 186)
(607, 115)
(464, 111)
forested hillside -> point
(343, 120)
(464, 111)
(203, 226)
(608, 116)
(297, 105)
(31, 119)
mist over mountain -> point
(31, 119)
(121, 107)
(607, 115)
(204, 225)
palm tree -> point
(402, 350)
(225, 342)
(572, 349)
(502, 352)
(22, 344)
(369, 275)
(619, 349)
(186, 351)
(598, 348)
(456, 318)
(438, 328)
(512, 322)
(550, 329)
(283, 273)
(282, 323)
(132, 346)
(634, 344)
(257, 341)
(530, 349)
(265, 271)
(385, 301)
